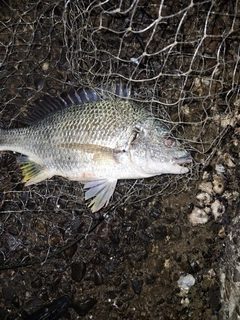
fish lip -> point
(182, 160)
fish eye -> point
(135, 133)
(169, 142)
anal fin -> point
(31, 171)
(101, 190)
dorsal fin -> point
(47, 105)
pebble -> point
(220, 168)
(186, 282)
(198, 216)
(78, 271)
(137, 285)
(98, 279)
(204, 198)
(228, 160)
(206, 187)
(219, 184)
(45, 66)
(82, 308)
(218, 209)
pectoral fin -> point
(101, 190)
(31, 171)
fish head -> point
(154, 151)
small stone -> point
(198, 216)
(220, 168)
(185, 302)
(176, 232)
(78, 271)
(218, 209)
(98, 280)
(219, 184)
(186, 282)
(206, 187)
(137, 285)
(82, 308)
(204, 198)
(229, 161)
(45, 66)
(222, 233)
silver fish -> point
(84, 138)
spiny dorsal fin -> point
(48, 105)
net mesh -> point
(180, 57)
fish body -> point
(94, 142)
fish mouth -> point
(183, 160)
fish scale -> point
(94, 142)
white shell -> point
(198, 216)
(186, 282)
(218, 209)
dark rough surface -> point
(124, 262)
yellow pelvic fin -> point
(31, 171)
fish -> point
(96, 139)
